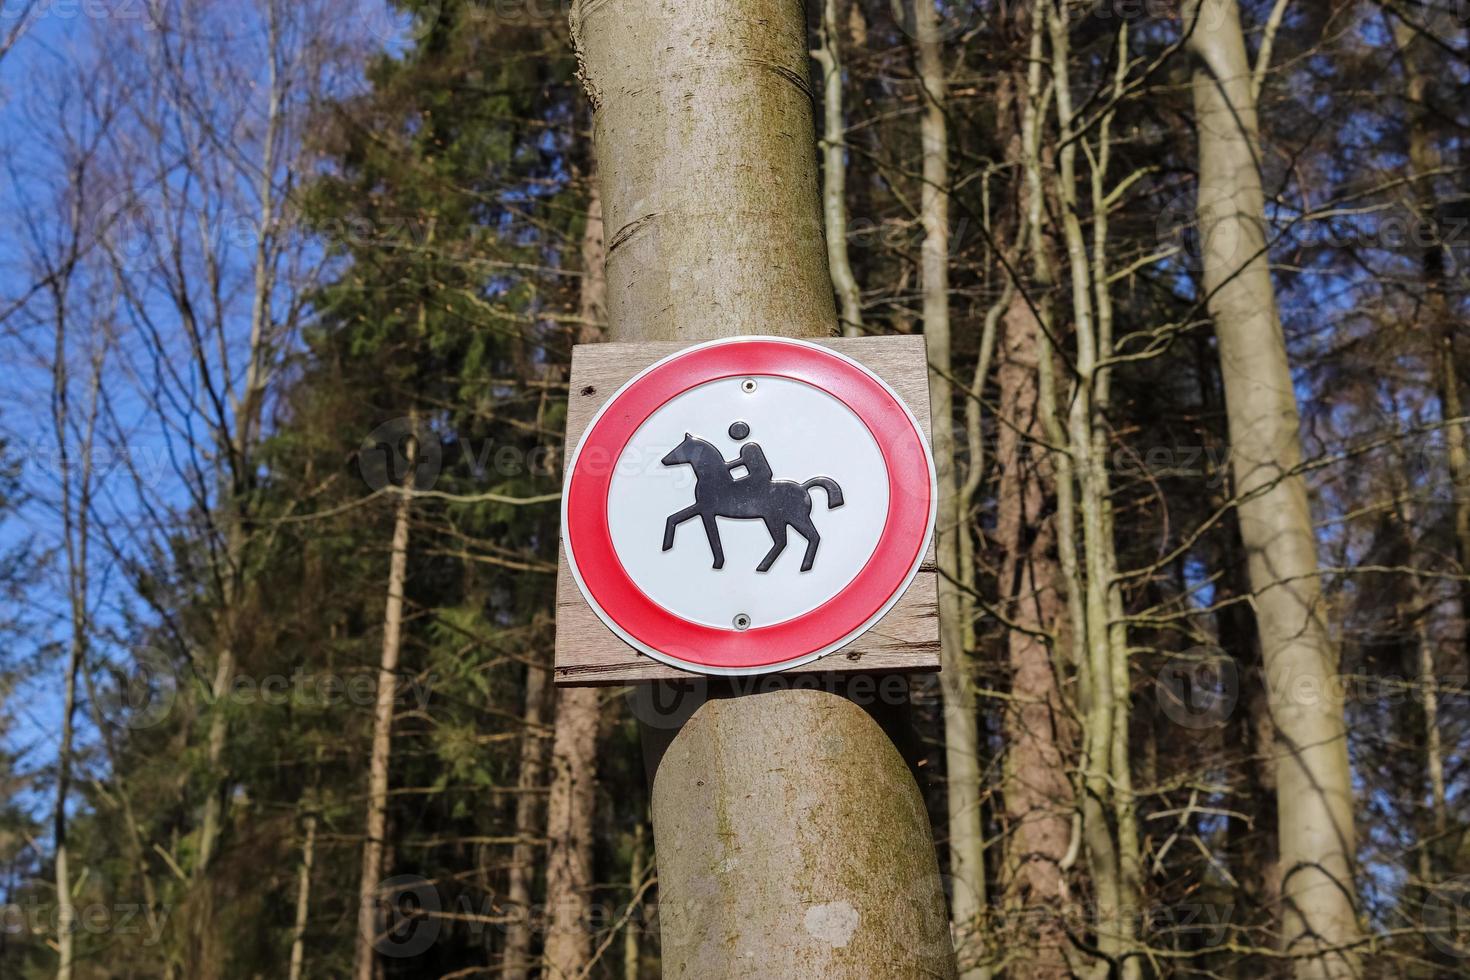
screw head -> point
(748, 385)
(742, 622)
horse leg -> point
(712, 531)
(808, 530)
(777, 529)
(674, 521)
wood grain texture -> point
(905, 640)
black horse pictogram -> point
(718, 493)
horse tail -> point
(834, 492)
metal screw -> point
(742, 622)
(748, 385)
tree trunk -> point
(834, 172)
(65, 911)
(1038, 794)
(574, 748)
(1314, 788)
(788, 828)
(368, 920)
(569, 832)
(303, 895)
(517, 962)
(76, 539)
(961, 727)
(1439, 320)
(631, 953)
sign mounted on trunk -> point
(745, 506)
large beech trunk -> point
(790, 834)
(1313, 784)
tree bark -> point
(961, 727)
(834, 172)
(1314, 788)
(74, 474)
(1038, 794)
(569, 832)
(574, 747)
(521, 875)
(632, 955)
(368, 920)
(788, 828)
(1438, 319)
(303, 895)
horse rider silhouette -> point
(717, 493)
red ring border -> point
(888, 570)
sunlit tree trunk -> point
(1314, 788)
(828, 55)
(75, 438)
(303, 895)
(790, 834)
(961, 726)
(369, 923)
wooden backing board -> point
(905, 640)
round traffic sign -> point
(748, 505)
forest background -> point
(287, 298)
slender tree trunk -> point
(834, 172)
(789, 830)
(1457, 453)
(574, 747)
(1109, 759)
(65, 911)
(961, 725)
(592, 297)
(376, 833)
(517, 962)
(631, 930)
(303, 895)
(75, 475)
(1314, 787)
(569, 814)
(1438, 319)
(239, 453)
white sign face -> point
(748, 505)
